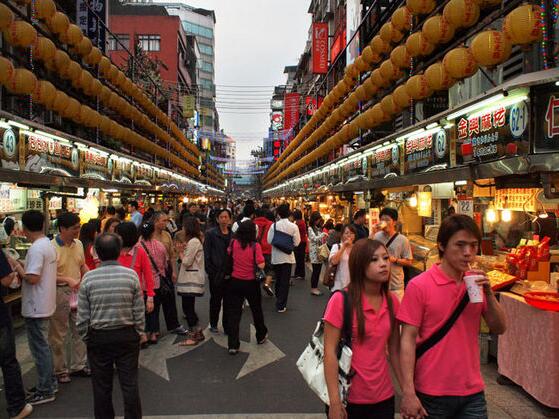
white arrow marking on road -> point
(155, 357)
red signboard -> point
(312, 104)
(338, 45)
(319, 48)
(290, 112)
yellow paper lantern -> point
(113, 73)
(361, 94)
(20, 34)
(104, 124)
(84, 47)
(93, 57)
(401, 19)
(72, 110)
(418, 88)
(438, 78)
(72, 72)
(389, 106)
(490, 48)
(380, 46)
(390, 34)
(437, 30)
(420, 7)
(460, 63)
(43, 49)
(61, 60)
(105, 94)
(44, 93)
(417, 45)
(22, 82)
(44, 9)
(6, 70)
(378, 114)
(351, 72)
(389, 71)
(370, 87)
(95, 88)
(60, 102)
(523, 24)
(378, 80)
(58, 23)
(74, 35)
(361, 65)
(85, 80)
(369, 56)
(104, 66)
(400, 57)
(352, 102)
(401, 97)
(461, 13)
(6, 16)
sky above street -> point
(255, 40)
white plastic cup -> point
(474, 290)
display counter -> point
(528, 351)
(424, 252)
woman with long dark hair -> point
(192, 278)
(88, 232)
(339, 255)
(374, 328)
(247, 257)
(316, 238)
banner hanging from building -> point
(312, 104)
(92, 20)
(352, 28)
(320, 48)
(188, 104)
(291, 112)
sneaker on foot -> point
(26, 411)
(32, 390)
(39, 398)
(179, 331)
(263, 340)
(233, 351)
(214, 329)
(282, 310)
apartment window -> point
(150, 42)
(206, 84)
(206, 49)
(207, 67)
(198, 30)
(124, 42)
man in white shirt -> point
(38, 303)
(283, 261)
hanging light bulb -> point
(543, 215)
(491, 215)
(413, 201)
(506, 215)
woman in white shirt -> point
(339, 255)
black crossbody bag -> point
(166, 286)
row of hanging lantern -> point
(21, 34)
(488, 49)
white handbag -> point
(311, 361)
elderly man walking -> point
(110, 320)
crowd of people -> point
(105, 282)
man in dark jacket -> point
(215, 254)
(359, 223)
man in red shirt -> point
(445, 381)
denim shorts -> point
(455, 407)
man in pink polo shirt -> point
(445, 382)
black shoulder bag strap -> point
(347, 327)
(389, 242)
(441, 333)
(153, 264)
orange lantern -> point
(378, 114)
(437, 30)
(417, 45)
(362, 65)
(95, 88)
(6, 16)
(74, 35)
(94, 56)
(401, 97)
(72, 72)
(60, 102)
(22, 82)
(420, 7)
(105, 94)
(85, 80)
(104, 124)
(490, 48)
(58, 23)
(72, 110)
(44, 9)
(523, 24)
(113, 73)
(389, 71)
(61, 60)
(104, 66)
(389, 33)
(43, 49)
(369, 56)
(377, 79)
(460, 63)
(84, 47)
(400, 57)
(401, 19)
(389, 106)
(20, 34)
(418, 88)
(380, 46)
(370, 87)
(461, 13)
(6, 70)
(361, 94)
(351, 72)
(438, 78)
(44, 93)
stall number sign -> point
(493, 134)
(385, 160)
(423, 152)
(466, 207)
